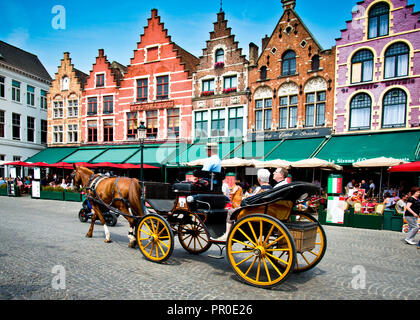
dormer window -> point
(220, 55)
(65, 83)
(379, 20)
(100, 80)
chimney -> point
(66, 55)
(154, 13)
(288, 4)
(265, 42)
(101, 52)
(253, 54)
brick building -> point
(64, 102)
(100, 97)
(378, 69)
(157, 88)
(220, 104)
(292, 81)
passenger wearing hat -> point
(213, 162)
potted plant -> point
(52, 193)
(207, 93)
(219, 64)
(229, 90)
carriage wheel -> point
(309, 259)
(193, 236)
(155, 238)
(261, 250)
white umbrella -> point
(271, 164)
(316, 163)
(236, 162)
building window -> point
(201, 124)
(108, 130)
(315, 109)
(360, 112)
(44, 99)
(92, 106)
(92, 127)
(142, 90)
(220, 55)
(289, 63)
(44, 131)
(72, 108)
(394, 109)
(58, 134)
(396, 60)
(16, 91)
(30, 129)
(315, 63)
(263, 114)
(288, 112)
(72, 133)
(65, 83)
(208, 86)
(230, 84)
(2, 123)
(263, 73)
(2, 87)
(362, 66)
(17, 158)
(16, 126)
(152, 124)
(162, 88)
(58, 109)
(100, 80)
(236, 122)
(131, 125)
(173, 123)
(218, 123)
(379, 20)
(108, 104)
(30, 96)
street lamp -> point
(141, 135)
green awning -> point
(51, 155)
(156, 155)
(116, 155)
(84, 155)
(295, 150)
(254, 150)
(345, 150)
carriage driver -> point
(213, 162)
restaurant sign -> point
(290, 134)
(155, 105)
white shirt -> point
(213, 164)
(281, 183)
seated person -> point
(280, 176)
(212, 163)
(263, 176)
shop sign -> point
(291, 134)
(155, 105)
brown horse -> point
(121, 193)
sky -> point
(116, 26)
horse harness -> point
(94, 181)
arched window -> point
(396, 60)
(220, 55)
(263, 73)
(315, 63)
(362, 66)
(379, 20)
(289, 63)
(394, 109)
(360, 112)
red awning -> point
(17, 163)
(406, 167)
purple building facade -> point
(378, 69)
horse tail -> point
(134, 197)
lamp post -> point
(141, 134)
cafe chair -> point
(379, 208)
(357, 207)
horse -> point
(121, 193)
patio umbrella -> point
(272, 164)
(316, 163)
(236, 162)
(406, 167)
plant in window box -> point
(207, 93)
(368, 220)
(229, 90)
(219, 64)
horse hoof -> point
(108, 241)
(88, 236)
(132, 244)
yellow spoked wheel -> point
(261, 250)
(309, 259)
(193, 236)
(155, 238)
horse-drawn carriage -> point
(269, 240)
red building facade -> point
(157, 88)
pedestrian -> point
(411, 215)
(401, 204)
(280, 176)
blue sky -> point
(116, 25)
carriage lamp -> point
(141, 135)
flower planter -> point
(3, 192)
(72, 196)
(364, 221)
(52, 195)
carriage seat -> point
(216, 201)
(208, 182)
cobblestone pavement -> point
(37, 235)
